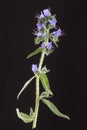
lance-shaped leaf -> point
(24, 117)
(25, 86)
(45, 83)
(54, 109)
(54, 40)
(40, 49)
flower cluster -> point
(46, 23)
(46, 32)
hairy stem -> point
(37, 90)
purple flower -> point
(34, 68)
(39, 34)
(44, 34)
(49, 45)
(40, 26)
(57, 33)
(41, 16)
(46, 12)
(53, 22)
(42, 45)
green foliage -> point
(54, 109)
(44, 70)
(54, 40)
(38, 40)
(48, 52)
(45, 83)
(24, 117)
(44, 94)
(40, 49)
(25, 86)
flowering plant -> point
(47, 35)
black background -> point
(67, 64)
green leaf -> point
(25, 86)
(54, 109)
(54, 40)
(56, 44)
(40, 49)
(44, 70)
(38, 40)
(44, 94)
(24, 117)
(45, 83)
(31, 112)
(48, 52)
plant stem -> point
(41, 59)
(37, 91)
(36, 102)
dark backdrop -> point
(67, 64)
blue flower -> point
(42, 45)
(49, 45)
(44, 34)
(40, 26)
(53, 22)
(46, 12)
(39, 34)
(57, 33)
(34, 68)
(41, 15)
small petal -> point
(53, 22)
(40, 26)
(44, 34)
(46, 12)
(41, 16)
(42, 45)
(39, 34)
(49, 45)
(34, 68)
(57, 33)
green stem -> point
(37, 91)
(36, 102)
(41, 59)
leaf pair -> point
(46, 86)
(54, 109)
